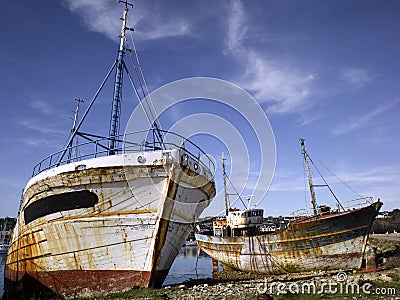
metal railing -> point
(125, 144)
(347, 205)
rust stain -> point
(61, 233)
(332, 243)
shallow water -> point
(191, 263)
(2, 265)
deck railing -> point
(97, 146)
(347, 205)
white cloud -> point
(284, 87)
(103, 16)
(360, 121)
(36, 142)
(42, 128)
(236, 28)
(357, 77)
(42, 106)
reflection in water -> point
(191, 263)
(2, 265)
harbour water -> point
(2, 265)
(191, 263)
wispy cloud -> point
(42, 106)
(13, 183)
(366, 182)
(360, 121)
(356, 77)
(383, 174)
(36, 142)
(39, 127)
(103, 16)
(285, 88)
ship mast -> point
(119, 74)
(310, 183)
(226, 198)
(74, 128)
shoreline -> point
(241, 285)
(231, 284)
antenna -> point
(126, 3)
(76, 113)
(226, 198)
(248, 198)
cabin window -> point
(57, 203)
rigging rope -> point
(236, 192)
(327, 185)
(349, 187)
(137, 93)
(305, 186)
(145, 84)
(141, 87)
(154, 122)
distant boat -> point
(190, 244)
(97, 217)
(325, 239)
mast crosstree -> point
(113, 138)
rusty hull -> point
(129, 238)
(328, 242)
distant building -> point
(383, 215)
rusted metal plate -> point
(331, 242)
(130, 237)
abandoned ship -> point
(325, 239)
(106, 215)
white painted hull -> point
(130, 237)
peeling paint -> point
(129, 238)
(328, 242)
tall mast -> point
(119, 74)
(310, 183)
(226, 198)
(74, 128)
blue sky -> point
(323, 70)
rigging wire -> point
(141, 87)
(145, 84)
(305, 186)
(236, 192)
(85, 114)
(155, 122)
(326, 183)
(349, 187)
(137, 93)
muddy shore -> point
(380, 283)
